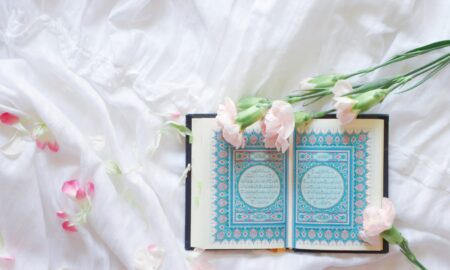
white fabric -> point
(99, 73)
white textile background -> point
(101, 73)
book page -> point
(239, 196)
(338, 171)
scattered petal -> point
(71, 188)
(90, 188)
(53, 146)
(175, 115)
(149, 258)
(9, 118)
(40, 144)
(7, 258)
(81, 194)
(69, 226)
(44, 137)
(62, 214)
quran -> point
(309, 198)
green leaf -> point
(382, 83)
(181, 129)
(424, 49)
(393, 236)
(428, 76)
(404, 56)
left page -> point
(239, 196)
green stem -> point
(404, 247)
(433, 70)
(321, 114)
(404, 56)
(393, 236)
(294, 99)
(431, 64)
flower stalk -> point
(393, 236)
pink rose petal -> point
(7, 258)
(70, 188)
(81, 194)
(8, 118)
(62, 214)
(152, 247)
(53, 146)
(69, 226)
(175, 115)
(90, 188)
(40, 144)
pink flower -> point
(278, 125)
(344, 105)
(341, 88)
(344, 109)
(9, 118)
(377, 220)
(44, 138)
(226, 119)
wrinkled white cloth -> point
(101, 73)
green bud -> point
(250, 115)
(325, 81)
(367, 100)
(302, 118)
(247, 102)
(393, 236)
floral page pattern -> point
(249, 192)
(330, 181)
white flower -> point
(341, 88)
(305, 84)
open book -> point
(311, 197)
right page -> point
(337, 172)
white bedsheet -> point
(101, 73)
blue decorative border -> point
(353, 201)
(230, 222)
